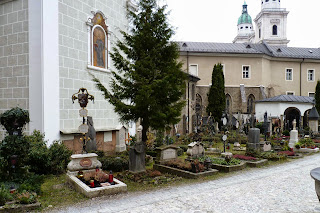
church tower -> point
(271, 23)
(245, 28)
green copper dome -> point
(245, 18)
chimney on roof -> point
(184, 45)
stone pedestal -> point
(293, 138)
(254, 139)
(84, 162)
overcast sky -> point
(216, 20)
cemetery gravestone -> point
(166, 153)
(92, 143)
(293, 135)
(254, 139)
(137, 154)
(266, 146)
(195, 149)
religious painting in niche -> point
(99, 44)
(98, 41)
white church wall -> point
(73, 57)
(274, 109)
(14, 57)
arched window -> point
(98, 42)
(250, 106)
(228, 104)
(274, 30)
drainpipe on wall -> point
(301, 76)
(188, 117)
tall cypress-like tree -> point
(216, 95)
(149, 82)
(317, 96)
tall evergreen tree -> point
(216, 95)
(317, 96)
(149, 82)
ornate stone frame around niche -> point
(98, 42)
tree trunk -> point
(145, 126)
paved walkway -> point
(284, 188)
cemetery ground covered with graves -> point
(35, 176)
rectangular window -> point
(310, 75)
(289, 74)
(290, 93)
(193, 69)
(245, 72)
(311, 94)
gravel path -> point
(284, 188)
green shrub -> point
(26, 197)
(286, 133)
(152, 153)
(116, 164)
(306, 142)
(252, 152)
(233, 161)
(4, 195)
(32, 183)
(38, 154)
(272, 156)
(59, 157)
(260, 126)
(13, 145)
(180, 152)
(184, 147)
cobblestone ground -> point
(284, 188)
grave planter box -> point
(306, 150)
(81, 187)
(256, 163)
(16, 207)
(183, 173)
(226, 168)
(297, 155)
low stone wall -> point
(225, 168)
(182, 173)
(19, 207)
(256, 163)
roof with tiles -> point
(289, 98)
(250, 48)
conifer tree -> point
(149, 82)
(317, 96)
(216, 95)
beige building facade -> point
(252, 72)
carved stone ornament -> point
(83, 128)
(83, 112)
(86, 162)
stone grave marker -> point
(137, 154)
(293, 135)
(254, 139)
(195, 149)
(91, 143)
(266, 146)
(166, 153)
